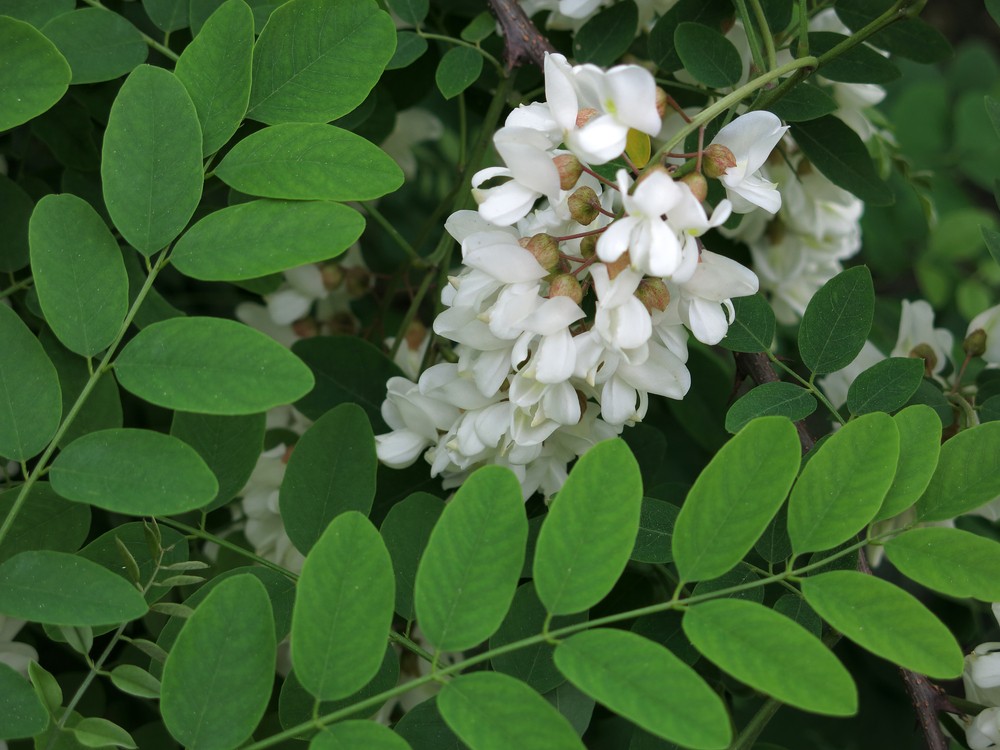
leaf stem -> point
(16, 287)
(462, 43)
(751, 32)
(400, 241)
(152, 43)
(765, 33)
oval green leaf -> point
(470, 568)
(99, 45)
(255, 239)
(211, 366)
(656, 527)
(843, 485)
(306, 45)
(753, 328)
(919, 447)
(606, 36)
(779, 399)
(35, 12)
(45, 521)
(406, 529)
(165, 476)
(56, 588)
(967, 474)
(859, 64)
(331, 470)
(110, 548)
(837, 320)
(96, 732)
(21, 713)
(457, 70)
(840, 154)
(228, 644)
(953, 562)
(32, 404)
(735, 497)
(15, 212)
(33, 74)
(343, 609)
(351, 735)
(646, 684)
(135, 681)
(215, 69)
(410, 11)
(491, 711)
(708, 55)
(151, 166)
(79, 274)
(772, 653)
(309, 161)
(591, 528)
(886, 386)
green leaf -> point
(457, 70)
(859, 64)
(911, 38)
(347, 369)
(885, 620)
(773, 654)
(309, 161)
(309, 43)
(992, 240)
(533, 664)
(993, 7)
(804, 102)
(36, 12)
(470, 568)
(735, 497)
(46, 687)
(99, 45)
(131, 539)
(591, 528)
(753, 328)
(350, 735)
(164, 477)
(15, 212)
(479, 28)
(167, 15)
(770, 399)
(79, 274)
(95, 732)
(31, 408)
(662, 50)
(656, 527)
(886, 386)
(574, 704)
(839, 153)
(56, 588)
(410, 47)
(606, 36)
(491, 711)
(215, 69)
(645, 683)
(229, 446)
(919, 448)
(423, 727)
(843, 485)
(837, 320)
(967, 474)
(410, 11)
(46, 521)
(261, 237)
(33, 75)
(343, 609)
(953, 562)
(227, 644)
(210, 366)
(405, 531)
(989, 411)
(151, 159)
(135, 681)
(21, 713)
(331, 470)
(708, 55)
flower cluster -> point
(577, 291)
(981, 678)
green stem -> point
(209, 537)
(809, 385)
(152, 43)
(409, 645)
(389, 229)
(751, 32)
(462, 43)
(803, 45)
(748, 736)
(15, 288)
(42, 466)
(765, 33)
(411, 312)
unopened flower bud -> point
(661, 102)
(698, 185)
(570, 170)
(653, 294)
(332, 275)
(357, 282)
(342, 323)
(415, 334)
(975, 343)
(716, 160)
(926, 353)
(545, 249)
(617, 266)
(583, 205)
(566, 285)
(588, 246)
(585, 115)
(305, 327)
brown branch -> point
(523, 43)
(758, 368)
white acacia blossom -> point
(577, 294)
(981, 678)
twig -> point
(523, 43)
(758, 368)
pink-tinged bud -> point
(545, 249)
(698, 185)
(566, 285)
(653, 294)
(926, 353)
(975, 343)
(583, 205)
(332, 275)
(617, 266)
(357, 282)
(415, 334)
(305, 328)
(570, 170)
(585, 115)
(716, 160)
(588, 246)
(661, 102)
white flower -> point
(916, 330)
(751, 138)
(412, 126)
(704, 300)
(981, 675)
(984, 731)
(264, 528)
(988, 321)
(533, 174)
(303, 287)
